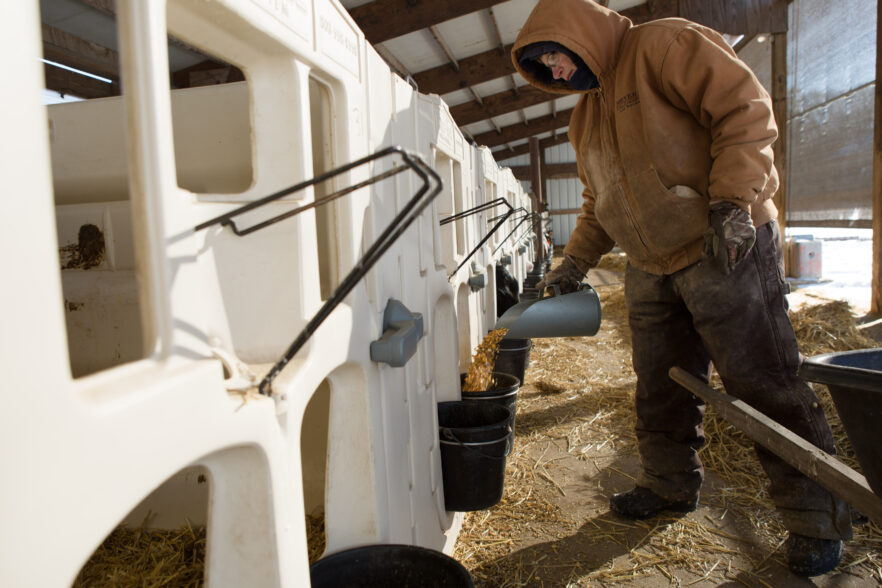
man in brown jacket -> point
(673, 137)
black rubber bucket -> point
(503, 391)
(532, 279)
(855, 382)
(404, 566)
(528, 294)
(513, 357)
(475, 440)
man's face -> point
(561, 66)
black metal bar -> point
(226, 219)
(474, 210)
(484, 240)
(523, 219)
(536, 219)
(396, 228)
(315, 203)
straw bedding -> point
(575, 446)
(147, 558)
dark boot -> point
(808, 556)
(642, 503)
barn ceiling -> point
(458, 49)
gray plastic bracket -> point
(402, 330)
(477, 281)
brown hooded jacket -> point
(677, 122)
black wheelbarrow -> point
(855, 382)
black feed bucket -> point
(475, 440)
(404, 566)
(513, 357)
(855, 382)
(528, 294)
(503, 390)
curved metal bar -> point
(523, 219)
(396, 228)
(226, 219)
(474, 210)
(484, 240)
(536, 220)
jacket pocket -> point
(617, 218)
(667, 219)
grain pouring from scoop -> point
(478, 377)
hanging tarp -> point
(832, 71)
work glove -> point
(567, 276)
(729, 236)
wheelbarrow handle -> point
(812, 461)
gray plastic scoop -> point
(576, 314)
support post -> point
(876, 286)
(779, 107)
(537, 196)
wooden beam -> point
(816, 464)
(536, 193)
(652, 10)
(69, 83)
(553, 171)
(108, 7)
(876, 286)
(498, 104)
(505, 153)
(557, 211)
(62, 47)
(472, 71)
(518, 131)
(382, 20)
(744, 42)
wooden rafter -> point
(552, 171)
(472, 71)
(516, 132)
(498, 104)
(62, 47)
(382, 20)
(508, 152)
(68, 83)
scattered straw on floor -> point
(579, 397)
(315, 535)
(147, 558)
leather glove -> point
(567, 276)
(729, 237)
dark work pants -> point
(739, 322)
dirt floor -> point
(574, 447)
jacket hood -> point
(589, 30)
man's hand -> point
(729, 237)
(567, 276)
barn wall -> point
(832, 63)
